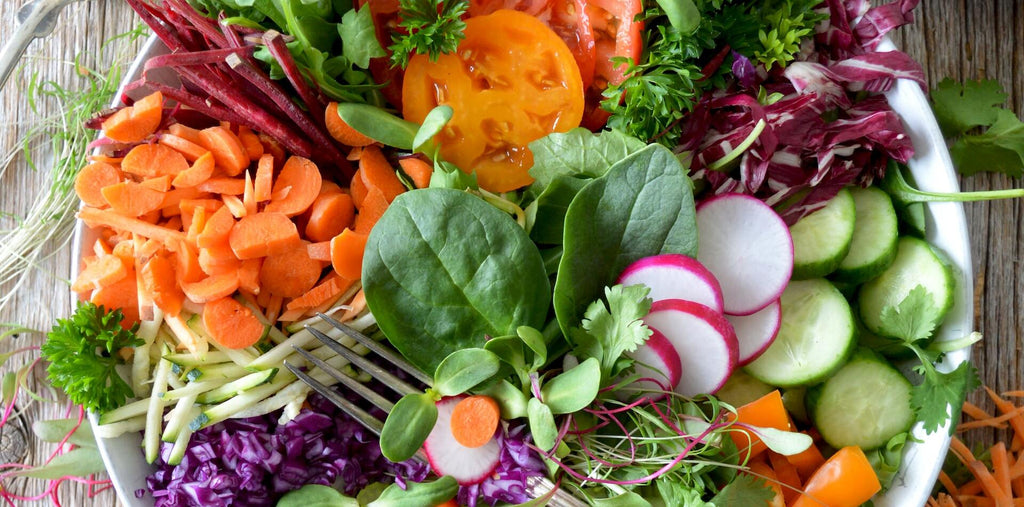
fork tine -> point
(379, 349)
(351, 383)
(396, 384)
(368, 421)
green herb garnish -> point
(434, 27)
(82, 351)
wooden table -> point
(955, 39)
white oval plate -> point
(931, 168)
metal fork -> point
(36, 19)
(537, 487)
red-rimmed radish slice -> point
(755, 332)
(706, 344)
(657, 360)
(749, 249)
(468, 465)
(675, 276)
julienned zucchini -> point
(866, 403)
(236, 387)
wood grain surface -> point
(958, 39)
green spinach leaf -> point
(473, 273)
(643, 206)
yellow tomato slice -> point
(511, 81)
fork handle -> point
(537, 487)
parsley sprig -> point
(432, 27)
(82, 351)
(939, 394)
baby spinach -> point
(643, 206)
(417, 494)
(474, 273)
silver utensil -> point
(36, 19)
(537, 487)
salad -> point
(658, 253)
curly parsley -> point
(432, 27)
(82, 351)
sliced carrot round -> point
(474, 420)
(212, 287)
(227, 149)
(263, 234)
(341, 131)
(152, 160)
(135, 123)
(231, 324)
(296, 187)
(291, 273)
(92, 178)
(330, 215)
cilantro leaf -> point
(998, 149)
(82, 351)
(914, 318)
(432, 27)
(959, 108)
(359, 37)
(744, 490)
(941, 393)
(611, 330)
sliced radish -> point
(706, 344)
(468, 465)
(675, 276)
(658, 360)
(749, 249)
(755, 332)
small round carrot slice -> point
(474, 420)
(231, 324)
(92, 178)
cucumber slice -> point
(865, 403)
(915, 264)
(816, 336)
(822, 239)
(875, 234)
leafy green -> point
(542, 424)
(418, 494)
(408, 424)
(579, 153)
(78, 462)
(938, 394)
(744, 489)
(643, 206)
(463, 370)
(903, 194)
(359, 37)
(379, 125)
(82, 351)
(476, 274)
(614, 328)
(316, 495)
(432, 27)
(959, 109)
(574, 389)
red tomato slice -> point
(616, 33)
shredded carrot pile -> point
(189, 217)
(1002, 483)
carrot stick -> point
(263, 234)
(151, 160)
(135, 123)
(290, 273)
(264, 178)
(248, 195)
(358, 189)
(329, 216)
(159, 280)
(191, 151)
(174, 197)
(185, 132)
(274, 307)
(196, 224)
(320, 251)
(347, 254)
(235, 205)
(132, 199)
(95, 217)
(188, 269)
(417, 170)
(227, 186)
(251, 143)
(200, 171)
(989, 484)
(474, 420)
(231, 324)
(249, 275)
(341, 131)
(374, 205)
(302, 177)
(1001, 467)
(378, 173)
(1017, 422)
(227, 149)
(212, 287)
(92, 179)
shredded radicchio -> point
(250, 462)
(829, 129)
(516, 464)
